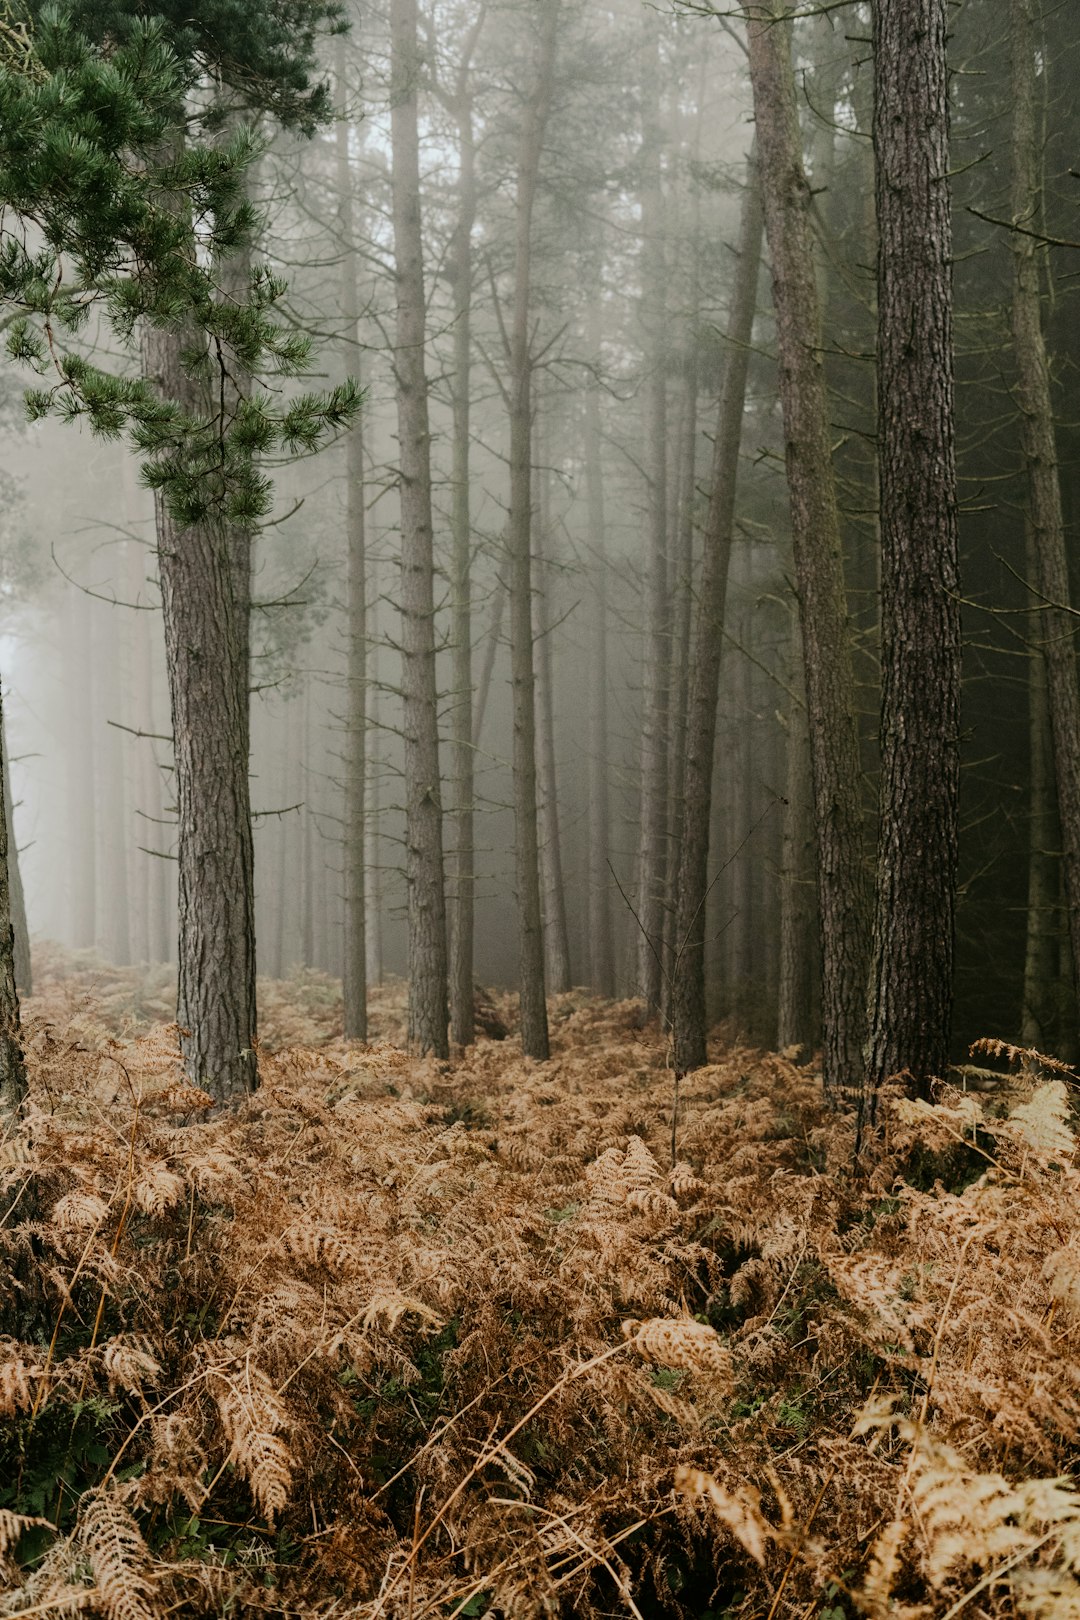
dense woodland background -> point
(642, 172)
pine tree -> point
(98, 152)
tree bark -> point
(12, 1070)
(487, 669)
(206, 653)
(1049, 540)
(354, 979)
(844, 900)
(427, 970)
(81, 776)
(556, 930)
(601, 933)
(23, 968)
(794, 1019)
(911, 984)
(1038, 1018)
(534, 1025)
(462, 911)
(653, 829)
(689, 1020)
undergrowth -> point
(399, 1338)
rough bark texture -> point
(652, 846)
(556, 929)
(12, 1072)
(794, 1014)
(487, 669)
(1039, 1009)
(24, 978)
(462, 911)
(354, 983)
(688, 983)
(428, 1012)
(911, 983)
(206, 653)
(601, 934)
(842, 880)
(1048, 537)
(81, 777)
(534, 1026)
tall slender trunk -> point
(81, 776)
(487, 669)
(307, 848)
(911, 983)
(652, 847)
(428, 989)
(534, 1025)
(844, 900)
(24, 978)
(688, 982)
(1038, 1011)
(794, 1017)
(682, 618)
(741, 762)
(12, 1070)
(1033, 397)
(600, 930)
(556, 930)
(374, 796)
(116, 909)
(462, 911)
(206, 645)
(354, 980)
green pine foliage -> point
(119, 194)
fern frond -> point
(740, 1514)
(119, 1557)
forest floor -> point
(411, 1339)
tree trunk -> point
(652, 847)
(81, 776)
(462, 912)
(354, 979)
(556, 931)
(601, 933)
(12, 1071)
(795, 1000)
(689, 1019)
(428, 989)
(911, 984)
(1038, 1013)
(534, 1025)
(115, 904)
(24, 978)
(487, 670)
(206, 653)
(842, 880)
(1033, 397)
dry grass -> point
(408, 1339)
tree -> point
(600, 931)
(534, 1025)
(911, 986)
(428, 1011)
(354, 986)
(844, 901)
(459, 102)
(1054, 686)
(12, 1071)
(691, 885)
(99, 153)
(653, 828)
